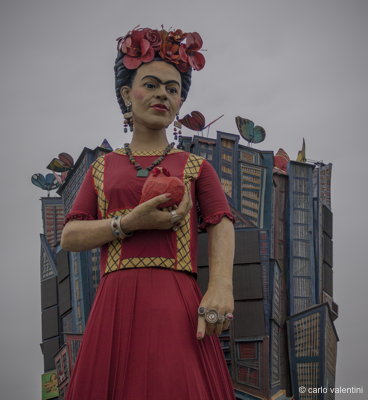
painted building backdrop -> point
(283, 333)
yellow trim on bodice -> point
(115, 259)
(98, 179)
(191, 172)
(148, 153)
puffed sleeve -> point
(85, 203)
(212, 201)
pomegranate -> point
(160, 182)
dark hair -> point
(124, 77)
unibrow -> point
(160, 81)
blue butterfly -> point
(47, 182)
(247, 130)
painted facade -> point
(283, 267)
(68, 280)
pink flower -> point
(189, 52)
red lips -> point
(160, 107)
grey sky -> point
(298, 68)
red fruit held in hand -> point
(160, 182)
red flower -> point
(177, 36)
(189, 52)
(164, 34)
(137, 49)
(154, 37)
(170, 51)
(182, 66)
(141, 45)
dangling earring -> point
(128, 118)
(177, 127)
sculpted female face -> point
(155, 95)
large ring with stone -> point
(201, 311)
(211, 316)
(174, 216)
(229, 316)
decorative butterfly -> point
(47, 182)
(195, 122)
(64, 163)
(251, 133)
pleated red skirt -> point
(140, 342)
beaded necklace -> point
(144, 172)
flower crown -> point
(176, 47)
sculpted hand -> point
(219, 298)
(148, 216)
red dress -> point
(140, 339)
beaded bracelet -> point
(116, 228)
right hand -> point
(148, 216)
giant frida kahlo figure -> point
(150, 333)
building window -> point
(226, 170)
(248, 376)
(229, 144)
(248, 363)
(227, 157)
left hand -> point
(219, 298)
